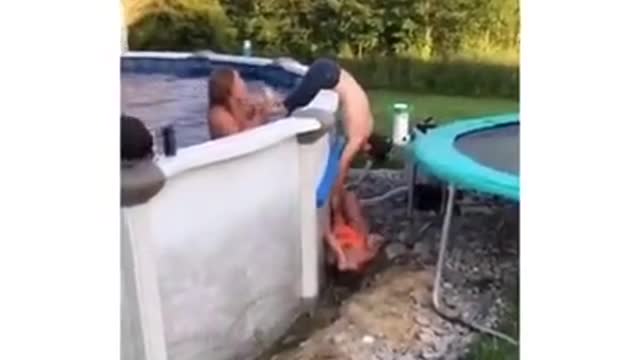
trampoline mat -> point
(497, 147)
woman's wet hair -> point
(220, 86)
(379, 147)
(136, 142)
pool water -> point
(166, 99)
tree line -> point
(351, 29)
(455, 47)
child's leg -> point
(339, 255)
(353, 213)
(323, 74)
(357, 220)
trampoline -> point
(477, 154)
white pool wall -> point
(227, 252)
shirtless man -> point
(325, 74)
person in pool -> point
(231, 112)
(232, 109)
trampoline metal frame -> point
(446, 210)
(450, 191)
(444, 239)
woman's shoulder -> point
(216, 109)
(222, 122)
(218, 116)
(218, 112)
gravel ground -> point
(388, 314)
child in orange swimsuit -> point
(349, 236)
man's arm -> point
(222, 124)
(349, 152)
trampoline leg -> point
(412, 185)
(444, 239)
(413, 169)
(444, 190)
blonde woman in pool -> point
(233, 108)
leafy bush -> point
(181, 25)
(421, 29)
(361, 28)
(434, 46)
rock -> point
(384, 355)
(422, 320)
(395, 250)
(439, 331)
(339, 338)
(405, 357)
(435, 350)
(368, 339)
(454, 276)
(424, 250)
(477, 209)
(289, 340)
(425, 336)
(403, 236)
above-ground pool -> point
(221, 243)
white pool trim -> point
(234, 146)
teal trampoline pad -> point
(480, 154)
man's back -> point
(357, 117)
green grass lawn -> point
(443, 108)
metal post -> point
(444, 238)
(443, 191)
(413, 169)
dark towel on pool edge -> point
(136, 142)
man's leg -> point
(323, 74)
